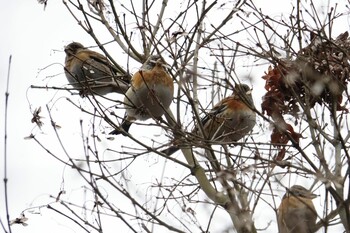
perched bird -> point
(149, 95)
(230, 120)
(296, 213)
(88, 70)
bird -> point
(91, 72)
(150, 94)
(296, 213)
(230, 119)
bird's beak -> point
(312, 196)
(65, 49)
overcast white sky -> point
(35, 39)
(31, 35)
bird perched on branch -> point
(230, 120)
(92, 72)
(296, 213)
(149, 95)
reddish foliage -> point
(319, 74)
(280, 155)
(279, 136)
(278, 98)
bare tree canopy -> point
(201, 116)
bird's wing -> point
(216, 111)
(99, 58)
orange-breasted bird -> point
(230, 120)
(149, 95)
(92, 72)
(296, 213)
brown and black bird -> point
(296, 213)
(91, 72)
(230, 119)
(149, 95)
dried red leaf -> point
(281, 154)
(281, 132)
(296, 136)
(278, 138)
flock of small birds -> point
(149, 94)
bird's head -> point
(243, 92)
(73, 48)
(300, 191)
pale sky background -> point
(35, 38)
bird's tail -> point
(170, 150)
(124, 128)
